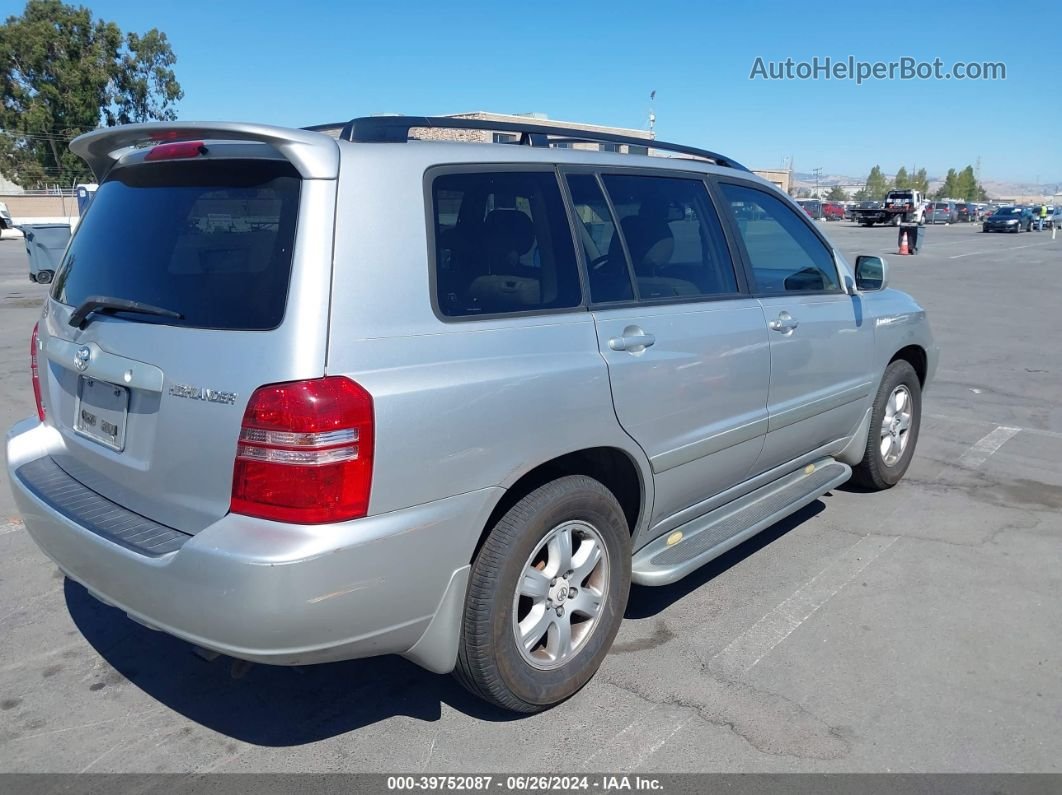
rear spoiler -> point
(314, 155)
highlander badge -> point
(201, 393)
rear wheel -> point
(894, 423)
(45, 277)
(546, 596)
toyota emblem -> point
(81, 358)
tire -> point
(878, 471)
(44, 277)
(491, 662)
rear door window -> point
(606, 264)
(502, 244)
(673, 237)
(211, 240)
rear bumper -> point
(278, 593)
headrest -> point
(509, 230)
(650, 241)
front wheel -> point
(894, 423)
(546, 596)
(44, 277)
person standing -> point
(1042, 218)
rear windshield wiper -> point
(104, 304)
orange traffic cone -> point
(904, 250)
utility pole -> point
(652, 114)
(818, 173)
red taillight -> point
(176, 151)
(305, 452)
(35, 375)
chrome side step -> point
(674, 555)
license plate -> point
(101, 411)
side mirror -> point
(871, 273)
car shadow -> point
(276, 706)
(264, 704)
(646, 602)
(850, 487)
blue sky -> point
(307, 61)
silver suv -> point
(302, 399)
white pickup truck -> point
(905, 205)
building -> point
(488, 136)
(782, 178)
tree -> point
(950, 188)
(836, 194)
(968, 187)
(920, 181)
(62, 73)
(876, 186)
(901, 180)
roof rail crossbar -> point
(395, 129)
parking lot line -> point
(642, 738)
(987, 445)
(976, 421)
(997, 251)
(757, 641)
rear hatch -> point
(226, 252)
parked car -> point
(1012, 218)
(5, 218)
(963, 212)
(1034, 212)
(1054, 217)
(813, 207)
(942, 212)
(832, 211)
(456, 423)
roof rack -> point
(333, 128)
(395, 129)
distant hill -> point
(996, 188)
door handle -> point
(784, 323)
(633, 343)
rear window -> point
(211, 240)
(502, 244)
